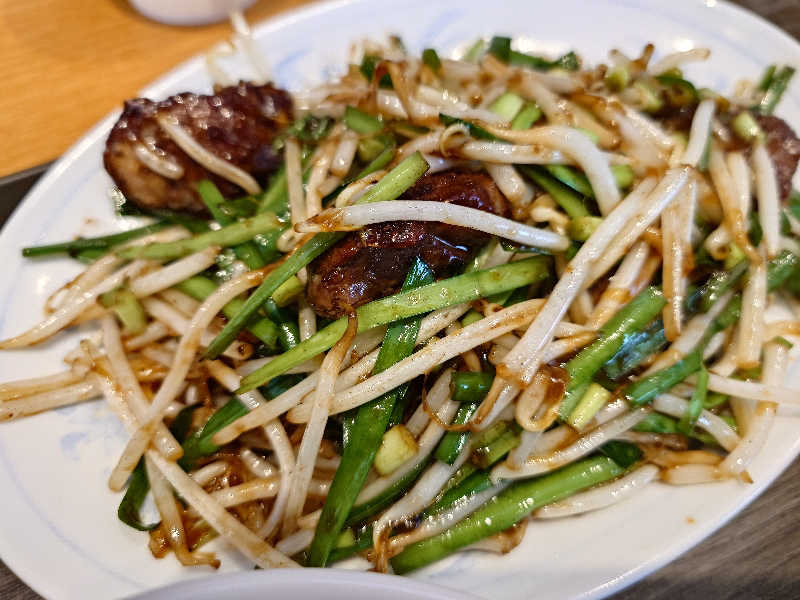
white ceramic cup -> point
(189, 12)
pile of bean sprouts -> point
(263, 485)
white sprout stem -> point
(389, 104)
(527, 442)
(198, 153)
(306, 319)
(345, 153)
(619, 287)
(699, 132)
(733, 211)
(502, 153)
(751, 323)
(447, 102)
(173, 382)
(351, 217)
(154, 331)
(434, 399)
(537, 465)
(577, 145)
(166, 277)
(429, 356)
(89, 278)
(674, 406)
(649, 128)
(206, 474)
(425, 445)
(601, 496)
(171, 522)
(418, 497)
(130, 388)
(768, 199)
(692, 474)
(157, 163)
(175, 320)
(524, 360)
(255, 489)
(239, 536)
(294, 181)
(752, 390)
(296, 542)
(243, 40)
(312, 436)
(319, 172)
(183, 302)
(64, 315)
(677, 59)
(513, 186)
(676, 249)
(13, 390)
(418, 112)
(775, 363)
(691, 335)
(276, 434)
(652, 207)
(64, 396)
(443, 520)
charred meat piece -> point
(784, 149)
(373, 262)
(237, 124)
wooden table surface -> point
(64, 67)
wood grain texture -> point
(66, 64)
(757, 555)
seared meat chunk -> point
(373, 262)
(237, 124)
(784, 149)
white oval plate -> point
(58, 525)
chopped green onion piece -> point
(361, 122)
(397, 446)
(696, 402)
(508, 105)
(617, 79)
(582, 228)
(525, 119)
(127, 308)
(623, 453)
(470, 387)
(777, 86)
(746, 127)
(595, 397)
(564, 196)
(476, 51)
(287, 291)
(430, 58)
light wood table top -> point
(66, 64)
(64, 68)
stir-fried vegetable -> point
(433, 365)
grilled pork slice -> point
(784, 149)
(373, 262)
(237, 124)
